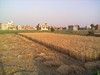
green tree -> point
(92, 26)
(52, 29)
(38, 27)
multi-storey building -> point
(43, 26)
(8, 26)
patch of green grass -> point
(11, 31)
(98, 72)
(82, 32)
(19, 31)
(79, 32)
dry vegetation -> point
(21, 56)
(18, 54)
(81, 47)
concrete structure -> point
(11, 26)
(70, 27)
(97, 27)
(60, 28)
(8, 26)
(25, 27)
(19, 27)
(3, 26)
(83, 28)
(43, 27)
(73, 27)
(34, 28)
(76, 27)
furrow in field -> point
(20, 55)
(80, 47)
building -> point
(42, 27)
(8, 26)
(19, 27)
(76, 27)
(3, 26)
(60, 28)
(11, 26)
(25, 27)
(83, 28)
(73, 27)
(97, 27)
(70, 27)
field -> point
(48, 54)
(19, 55)
(81, 47)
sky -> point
(54, 12)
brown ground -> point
(20, 56)
(85, 48)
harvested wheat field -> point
(85, 48)
(19, 56)
(24, 56)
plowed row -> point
(84, 48)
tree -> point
(38, 27)
(52, 29)
(92, 26)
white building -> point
(8, 26)
(3, 26)
(76, 27)
(19, 27)
(73, 27)
(42, 27)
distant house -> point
(8, 26)
(3, 26)
(70, 27)
(19, 27)
(58, 28)
(25, 27)
(83, 28)
(34, 28)
(64, 28)
(61, 28)
(11, 26)
(73, 27)
(76, 27)
(42, 27)
(97, 27)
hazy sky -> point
(55, 12)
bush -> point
(52, 29)
(91, 32)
